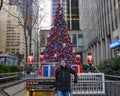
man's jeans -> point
(61, 93)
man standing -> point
(63, 75)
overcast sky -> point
(46, 4)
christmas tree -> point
(59, 46)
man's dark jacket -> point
(63, 78)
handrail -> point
(96, 69)
(4, 93)
(113, 76)
(9, 77)
(18, 91)
(11, 84)
(3, 87)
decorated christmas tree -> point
(59, 44)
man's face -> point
(63, 63)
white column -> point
(113, 14)
(94, 60)
(97, 54)
(93, 53)
(77, 41)
(106, 47)
(71, 38)
(101, 51)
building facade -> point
(26, 8)
(11, 33)
(71, 13)
(100, 24)
(3, 26)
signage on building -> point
(114, 44)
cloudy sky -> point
(46, 5)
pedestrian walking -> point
(63, 76)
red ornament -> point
(69, 56)
(46, 56)
(52, 33)
(69, 62)
(58, 56)
(52, 51)
(66, 38)
(59, 4)
(57, 33)
(63, 26)
(53, 40)
(60, 43)
(65, 51)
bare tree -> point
(29, 18)
(1, 4)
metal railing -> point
(94, 84)
(3, 93)
(112, 88)
(88, 84)
(112, 85)
(9, 79)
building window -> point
(42, 40)
(116, 25)
(74, 41)
(74, 14)
(80, 40)
(119, 9)
(80, 49)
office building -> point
(71, 12)
(26, 8)
(12, 35)
(100, 23)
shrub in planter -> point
(4, 68)
(110, 66)
(14, 69)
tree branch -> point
(1, 4)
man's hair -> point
(64, 61)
